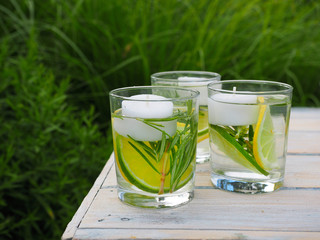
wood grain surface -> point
(293, 212)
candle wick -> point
(234, 89)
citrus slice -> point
(230, 147)
(264, 147)
(180, 126)
(145, 175)
(203, 137)
(203, 128)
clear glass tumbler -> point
(155, 137)
(248, 128)
(197, 80)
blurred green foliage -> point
(51, 152)
(59, 59)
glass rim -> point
(287, 88)
(194, 93)
(214, 76)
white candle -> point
(233, 109)
(145, 109)
(196, 83)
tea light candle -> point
(147, 109)
(233, 109)
(142, 108)
(196, 83)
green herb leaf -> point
(189, 106)
(221, 131)
(144, 157)
(250, 135)
(154, 125)
(147, 149)
(162, 146)
(117, 116)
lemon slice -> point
(203, 137)
(137, 171)
(264, 148)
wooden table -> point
(293, 212)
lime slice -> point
(203, 128)
(229, 146)
(145, 175)
(264, 148)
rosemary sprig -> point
(144, 157)
(147, 149)
(185, 159)
(178, 150)
(163, 145)
(154, 125)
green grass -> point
(48, 123)
(105, 45)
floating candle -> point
(196, 83)
(233, 109)
(147, 109)
(144, 109)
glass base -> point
(243, 186)
(155, 201)
(203, 153)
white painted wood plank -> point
(211, 209)
(305, 113)
(116, 233)
(302, 171)
(111, 180)
(304, 131)
(305, 119)
(304, 125)
(304, 142)
(74, 223)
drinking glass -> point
(248, 128)
(197, 80)
(155, 135)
